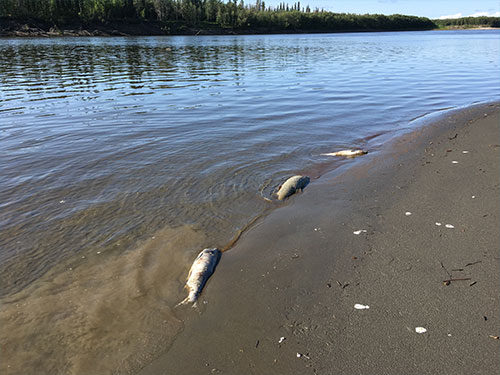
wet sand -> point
(282, 300)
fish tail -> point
(185, 301)
(189, 299)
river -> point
(122, 157)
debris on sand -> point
(357, 232)
(359, 306)
(420, 330)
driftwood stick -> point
(447, 282)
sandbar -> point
(410, 231)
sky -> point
(425, 8)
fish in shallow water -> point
(292, 185)
(203, 267)
(347, 153)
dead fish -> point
(292, 185)
(347, 153)
(201, 270)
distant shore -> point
(469, 28)
(410, 233)
(29, 28)
(12, 28)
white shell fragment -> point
(438, 224)
(449, 226)
(359, 306)
(473, 197)
(299, 355)
(420, 330)
(356, 232)
(454, 162)
(407, 213)
(281, 340)
(465, 152)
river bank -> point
(410, 231)
(31, 28)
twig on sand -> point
(445, 270)
(447, 282)
(473, 263)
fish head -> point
(215, 253)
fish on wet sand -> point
(292, 185)
(347, 153)
(201, 270)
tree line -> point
(204, 13)
(469, 22)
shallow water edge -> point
(113, 312)
(290, 285)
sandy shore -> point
(282, 300)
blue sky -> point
(425, 8)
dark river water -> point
(121, 158)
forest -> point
(174, 15)
(467, 22)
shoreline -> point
(467, 28)
(298, 273)
(31, 28)
(25, 31)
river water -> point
(121, 158)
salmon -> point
(203, 267)
(347, 153)
(292, 185)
